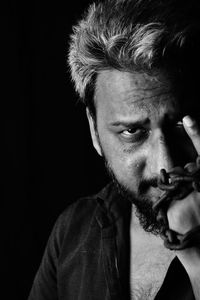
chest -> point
(149, 262)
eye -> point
(179, 124)
(134, 134)
(178, 127)
(176, 130)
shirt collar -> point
(112, 206)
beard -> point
(143, 204)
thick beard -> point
(143, 205)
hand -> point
(185, 214)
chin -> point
(153, 195)
(144, 208)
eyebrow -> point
(130, 123)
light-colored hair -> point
(131, 35)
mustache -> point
(146, 183)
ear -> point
(93, 132)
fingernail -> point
(188, 121)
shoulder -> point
(68, 231)
(77, 212)
(78, 217)
(80, 224)
(82, 210)
(75, 231)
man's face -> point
(139, 130)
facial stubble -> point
(143, 204)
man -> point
(135, 65)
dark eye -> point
(178, 127)
(134, 134)
(176, 130)
(179, 124)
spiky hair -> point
(131, 35)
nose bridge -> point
(162, 158)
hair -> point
(134, 36)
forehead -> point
(124, 93)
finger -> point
(193, 131)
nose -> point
(160, 156)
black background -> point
(48, 160)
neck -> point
(142, 237)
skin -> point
(141, 128)
(138, 128)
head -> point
(132, 62)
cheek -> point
(128, 168)
(128, 172)
(126, 163)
